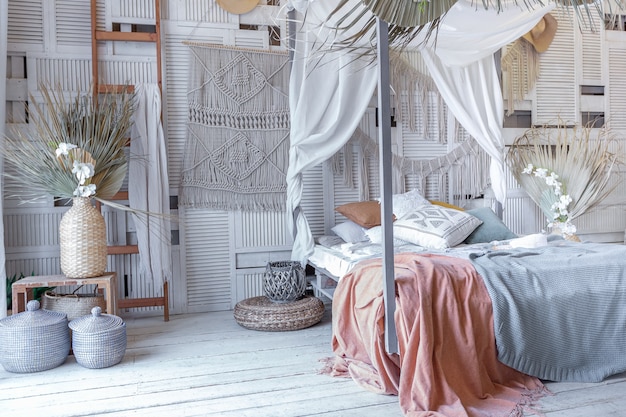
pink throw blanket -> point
(447, 364)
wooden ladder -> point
(98, 88)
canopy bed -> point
(462, 347)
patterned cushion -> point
(435, 227)
(407, 202)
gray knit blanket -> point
(559, 310)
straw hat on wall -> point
(542, 34)
(237, 6)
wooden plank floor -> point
(207, 365)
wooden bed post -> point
(384, 130)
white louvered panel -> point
(131, 282)
(249, 284)
(39, 265)
(73, 22)
(556, 90)
(204, 11)
(254, 39)
(259, 229)
(312, 202)
(617, 86)
(592, 51)
(25, 21)
(134, 11)
(118, 70)
(101, 13)
(523, 216)
(601, 219)
(117, 226)
(26, 228)
(207, 259)
(373, 169)
(70, 73)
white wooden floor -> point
(207, 365)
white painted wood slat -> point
(207, 365)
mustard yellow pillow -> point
(446, 205)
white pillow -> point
(375, 234)
(350, 232)
(435, 227)
(407, 202)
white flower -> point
(529, 169)
(83, 171)
(552, 180)
(64, 148)
(559, 207)
(85, 190)
(565, 199)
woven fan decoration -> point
(408, 13)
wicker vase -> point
(82, 238)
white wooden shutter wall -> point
(26, 23)
(209, 277)
(556, 89)
(206, 259)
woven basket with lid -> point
(34, 340)
(98, 340)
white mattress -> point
(338, 260)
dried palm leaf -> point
(583, 163)
(98, 126)
(409, 19)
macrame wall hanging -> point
(237, 146)
(465, 169)
(520, 65)
(405, 77)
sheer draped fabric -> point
(331, 91)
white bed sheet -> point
(338, 260)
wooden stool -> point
(22, 290)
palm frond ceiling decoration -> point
(409, 19)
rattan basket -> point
(34, 340)
(284, 281)
(73, 305)
(98, 340)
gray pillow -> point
(491, 229)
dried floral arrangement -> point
(566, 170)
(74, 147)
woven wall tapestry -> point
(237, 146)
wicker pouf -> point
(98, 340)
(260, 313)
(34, 340)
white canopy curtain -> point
(327, 101)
